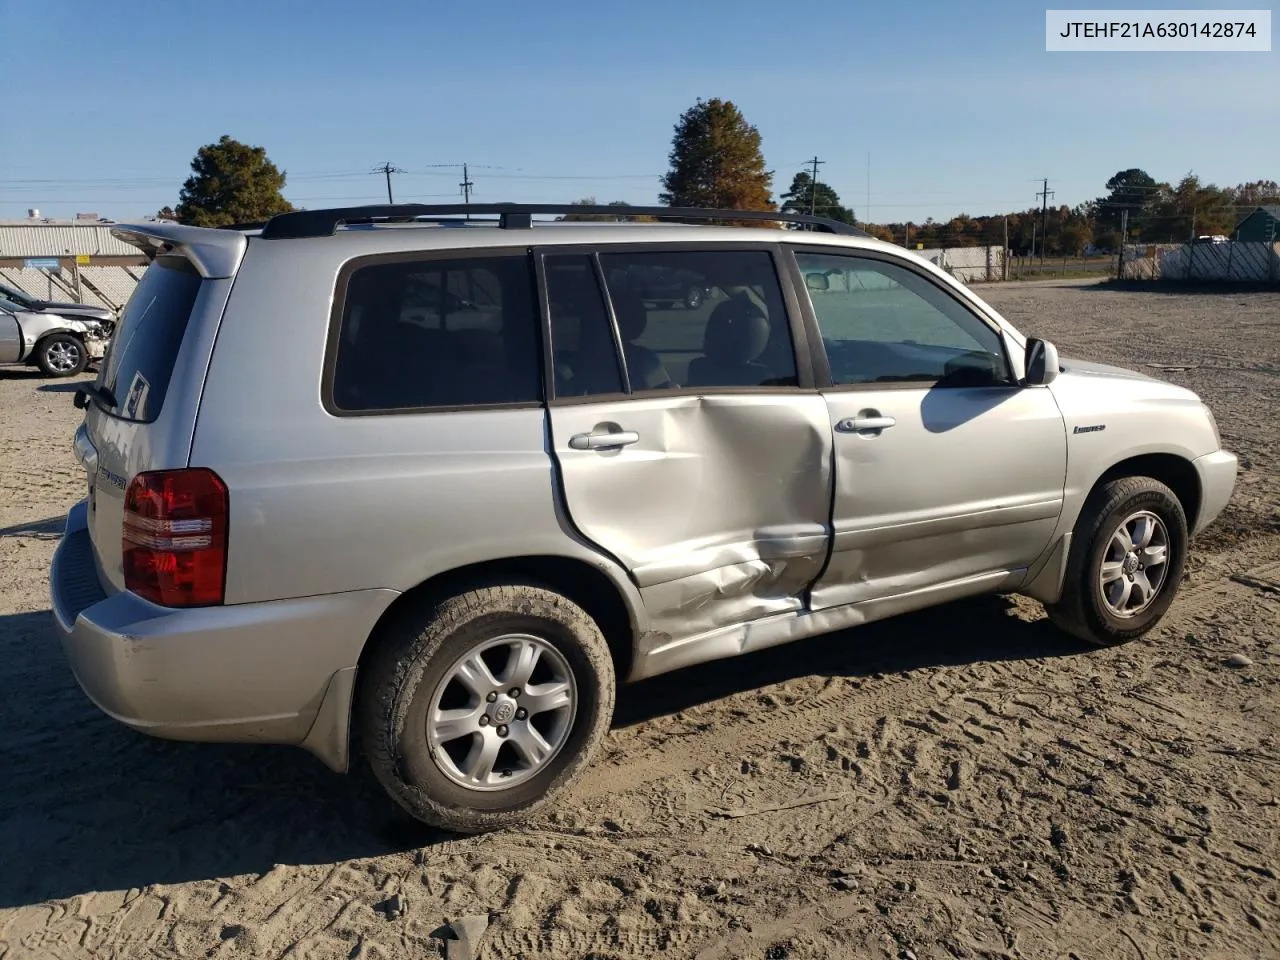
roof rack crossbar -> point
(516, 216)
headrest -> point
(631, 314)
(737, 332)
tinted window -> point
(883, 323)
(145, 345)
(584, 354)
(437, 333)
(694, 319)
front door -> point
(10, 337)
(947, 471)
(699, 461)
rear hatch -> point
(140, 412)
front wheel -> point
(1127, 555)
(477, 711)
(61, 355)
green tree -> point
(1189, 209)
(805, 195)
(1077, 229)
(1132, 190)
(231, 182)
(716, 162)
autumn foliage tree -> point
(231, 182)
(716, 162)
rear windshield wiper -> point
(88, 391)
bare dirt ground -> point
(960, 783)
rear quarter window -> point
(144, 348)
(422, 334)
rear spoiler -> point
(214, 253)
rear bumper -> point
(1217, 472)
(275, 672)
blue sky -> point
(958, 104)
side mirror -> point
(1041, 363)
(817, 281)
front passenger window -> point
(882, 323)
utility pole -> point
(1046, 193)
(387, 170)
(813, 185)
(466, 186)
(1124, 233)
(1004, 255)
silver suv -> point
(443, 483)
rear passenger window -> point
(584, 353)
(437, 333)
(692, 319)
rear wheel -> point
(1127, 555)
(61, 355)
(477, 711)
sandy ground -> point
(960, 783)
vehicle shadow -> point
(48, 529)
(63, 386)
(87, 804)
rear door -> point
(142, 415)
(702, 460)
(947, 471)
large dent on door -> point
(736, 527)
(730, 594)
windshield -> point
(17, 300)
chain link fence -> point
(1229, 260)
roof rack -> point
(516, 216)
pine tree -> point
(231, 182)
(716, 162)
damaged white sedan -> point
(61, 346)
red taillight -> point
(175, 537)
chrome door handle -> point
(603, 441)
(858, 424)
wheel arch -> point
(46, 334)
(1174, 471)
(582, 582)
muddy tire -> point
(477, 711)
(61, 355)
(1127, 554)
